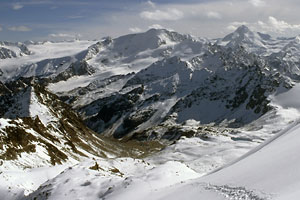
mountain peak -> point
(242, 29)
(239, 34)
(156, 30)
(243, 36)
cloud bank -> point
(19, 28)
(161, 15)
(17, 6)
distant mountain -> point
(287, 60)
(45, 59)
(243, 36)
(13, 50)
(255, 42)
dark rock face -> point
(7, 53)
(76, 69)
(105, 112)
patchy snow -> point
(36, 108)
(4, 123)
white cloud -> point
(19, 28)
(257, 3)
(75, 17)
(278, 26)
(159, 15)
(151, 4)
(17, 6)
(135, 29)
(156, 26)
(213, 15)
(62, 35)
(192, 17)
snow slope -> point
(270, 171)
(272, 167)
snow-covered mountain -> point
(228, 87)
(287, 60)
(256, 42)
(13, 50)
(243, 36)
(145, 112)
(45, 60)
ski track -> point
(237, 193)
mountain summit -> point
(243, 36)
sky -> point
(38, 20)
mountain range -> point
(155, 101)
